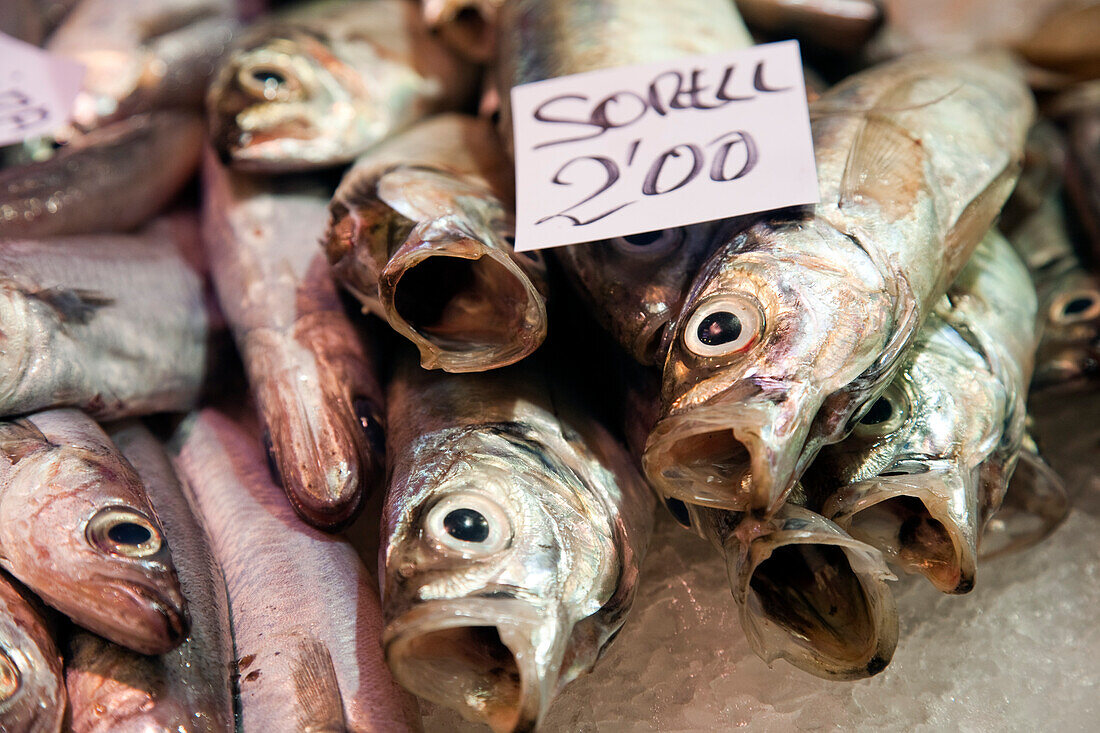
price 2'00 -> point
(728, 157)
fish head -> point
(776, 322)
(499, 569)
(106, 563)
(1069, 352)
(31, 681)
(284, 100)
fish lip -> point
(948, 496)
(761, 470)
(538, 665)
(154, 621)
(456, 356)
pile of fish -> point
(331, 331)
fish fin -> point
(885, 164)
(73, 305)
(977, 218)
(317, 689)
(21, 438)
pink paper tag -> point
(37, 90)
(634, 149)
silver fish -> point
(513, 532)
(77, 528)
(310, 372)
(142, 54)
(929, 463)
(305, 613)
(32, 689)
(421, 232)
(186, 690)
(837, 26)
(323, 82)
(114, 324)
(793, 327)
(113, 179)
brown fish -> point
(76, 526)
(306, 619)
(32, 689)
(421, 232)
(113, 179)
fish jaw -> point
(924, 520)
(735, 451)
(466, 305)
(791, 575)
(496, 661)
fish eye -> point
(723, 325)
(1075, 307)
(649, 244)
(10, 678)
(268, 82)
(123, 532)
(470, 524)
(886, 415)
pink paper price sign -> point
(37, 90)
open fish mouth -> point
(495, 661)
(924, 521)
(464, 305)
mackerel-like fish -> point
(32, 689)
(313, 380)
(187, 689)
(77, 528)
(305, 613)
(838, 26)
(929, 463)
(142, 54)
(635, 284)
(114, 324)
(514, 529)
(421, 232)
(321, 83)
(112, 179)
(793, 327)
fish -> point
(318, 85)
(311, 374)
(77, 528)
(1068, 355)
(467, 26)
(1041, 176)
(141, 55)
(806, 591)
(187, 689)
(1065, 41)
(794, 326)
(304, 610)
(113, 179)
(929, 463)
(421, 231)
(633, 284)
(115, 324)
(21, 19)
(1081, 118)
(514, 528)
(838, 26)
(32, 686)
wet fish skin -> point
(115, 178)
(311, 374)
(929, 463)
(142, 54)
(560, 521)
(32, 693)
(840, 26)
(421, 232)
(305, 613)
(77, 528)
(114, 324)
(467, 26)
(318, 85)
(187, 689)
(807, 312)
(1083, 169)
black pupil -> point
(719, 328)
(128, 533)
(1077, 305)
(679, 511)
(265, 75)
(467, 525)
(644, 239)
(880, 412)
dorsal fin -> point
(885, 164)
(73, 305)
(320, 706)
